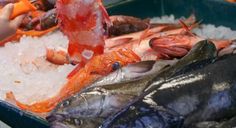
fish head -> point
(70, 122)
(171, 46)
(76, 111)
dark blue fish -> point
(200, 93)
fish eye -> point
(64, 104)
(116, 66)
(77, 122)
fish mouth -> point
(58, 125)
(55, 117)
(56, 121)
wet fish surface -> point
(93, 105)
(204, 91)
(205, 94)
(107, 96)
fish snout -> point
(58, 125)
(55, 117)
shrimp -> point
(97, 67)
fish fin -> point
(186, 28)
(119, 42)
(189, 28)
(42, 107)
(105, 14)
(75, 70)
(145, 34)
(191, 18)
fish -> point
(122, 24)
(147, 115)
(111, 93)
(203, 50)
(83, 22)
(96, 68)
(130, 115)
(133, 72)
(139, 41)
(106, 96)
(162, 42)
(206, 92)
(178, 44)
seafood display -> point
(110, 95)
(118, 71)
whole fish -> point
(103, 99)
(204, 91)
(207, 93)
(178, 45)
(106, 96)
(133, 71)
(201, 51)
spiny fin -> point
(145, 34)
(105, 14)
(75, 70)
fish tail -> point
(41, 107)
(75, 70)
(74, 85)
